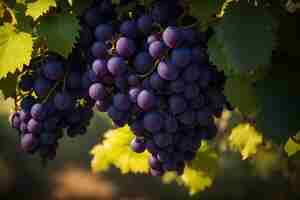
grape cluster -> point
(52, 102)
(147, 72)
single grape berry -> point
(104, 32)
(143, 62)
(53, 70)
(146, 100)
(97, 91)
(125, 47)
(172, 37)
(63, 101)
(117, 66)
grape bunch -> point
(52, 102)
(148, 72)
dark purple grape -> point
(104, 32)
(146, 100)
(171, 124)
(189, 36)
(99, 50)
(204, 117)
(153, 122)
(172, 37)
(100, 68)
(51, 124)
(143, 62)
(53, 70)
(117, 66)
(133, 94)
(145, 24)
(167, 70)
(27, 102)
(38, 112)
(42, 86)
(133, 80)
(125, 47)
(92, 17)
(129, 28)
(85, 37)
(63, 101)
(97, 91)
(74, 80)
(177, 86)
(34, 126)
(162, 139)
(155, 172)
(121, 102)
(115, 114)
(26, 83)
(157, 82)
(191, 91)
(192, 73)
(177, 104)
(199, 55)
(154, 163)
(157, 49)
(189, 117)
(137, 128)
(181, 57)
(15, 120)
(138, 145)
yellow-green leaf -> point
(39, 7)
(291, 147)
(245, 139)
(115, 150)
(15, 49)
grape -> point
(63, 101)
(116, 66)
(38, 112)
(162, 140)
(97, 91)
(26, 83)
(103, 32)
(100, 68)
(99, 50)
(146, 100)
(143, 62)
(157, 49)
(145, 24)
(125, 47)
(167, 70)
(157, 82)
(153, 38)
(27, 102)
(133, 80)
(101, 105)
(129, 29)
(51, 124)
(133, 94)
(171, 124)
(85, 81)
(86, 37)
(114, 114)
(177, 104)
(154, 163)
(198, 55)
(74, 80)
(177, 86)
(155, 172)
(164, 11)
(189, 36)
(138, 145)
(15, 120)
(53, 70)
(42, 86)
(34, 126)
(192, 73)
(191, 91)
(153, 122)
(172, 37)
(28, 142)
(205, 77)
(24, 116)
(137, 128)
(204, 117)
(23, 127)
(181, 57)
(121, 102)
(188, 117)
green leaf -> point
(240, 92)
(291, 147)
(245, 139)
(115, 150)
(15, 49)
(8, 85)
(241, 33)
(279, 100)
(39, 7)
(204, 10)
(60, 32)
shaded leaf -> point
(8, 85)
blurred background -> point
(69, 177)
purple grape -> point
(51, 124)
(167, 70)
(34, 126)
(145, 24)
(125, 47)
(205, 77)
(157, 82)
(28, 142)
(27, 102)
(38, 112)
(177, 86)
(63, 101)
(162, 139)
(154, 163)
(26, 83)
(189, 36)
(191, 91)
(157, 49)
(117, 66)
(143, 62)
(189, 117)
(146, 100)
(129, 28)
(85, 37)
(153, 122)
(115, 114)
(74, 80)
(138, 145)
(23, 127)
(85, 80)
(204, 117)
(133, 94)
(104, 32)
(99, 50)
(137, 128)
(171, 124)
(100, 68)
(92, 17)
(155, 172)
(24, 116)
(97, 91)
(153, 38)
(121, 102)
(199, 55)
(177, 104)
(15, 120)
(172, 37)
(133, 80)
(181, 57)
(53, 70)
(192, 73)
(42, 86)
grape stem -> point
(151, 71)
(295, 140)
(51, 91)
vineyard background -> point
(255, 154)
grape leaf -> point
(278, 97)
(205, 10)
(39, 7)
(60, 32)
(8, 85)
(245, 139)
(241, 31)
(241, 94)
(291, 147)
(115, 150)
(15, 49)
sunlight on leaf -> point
(39, 7)
(291, 147)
